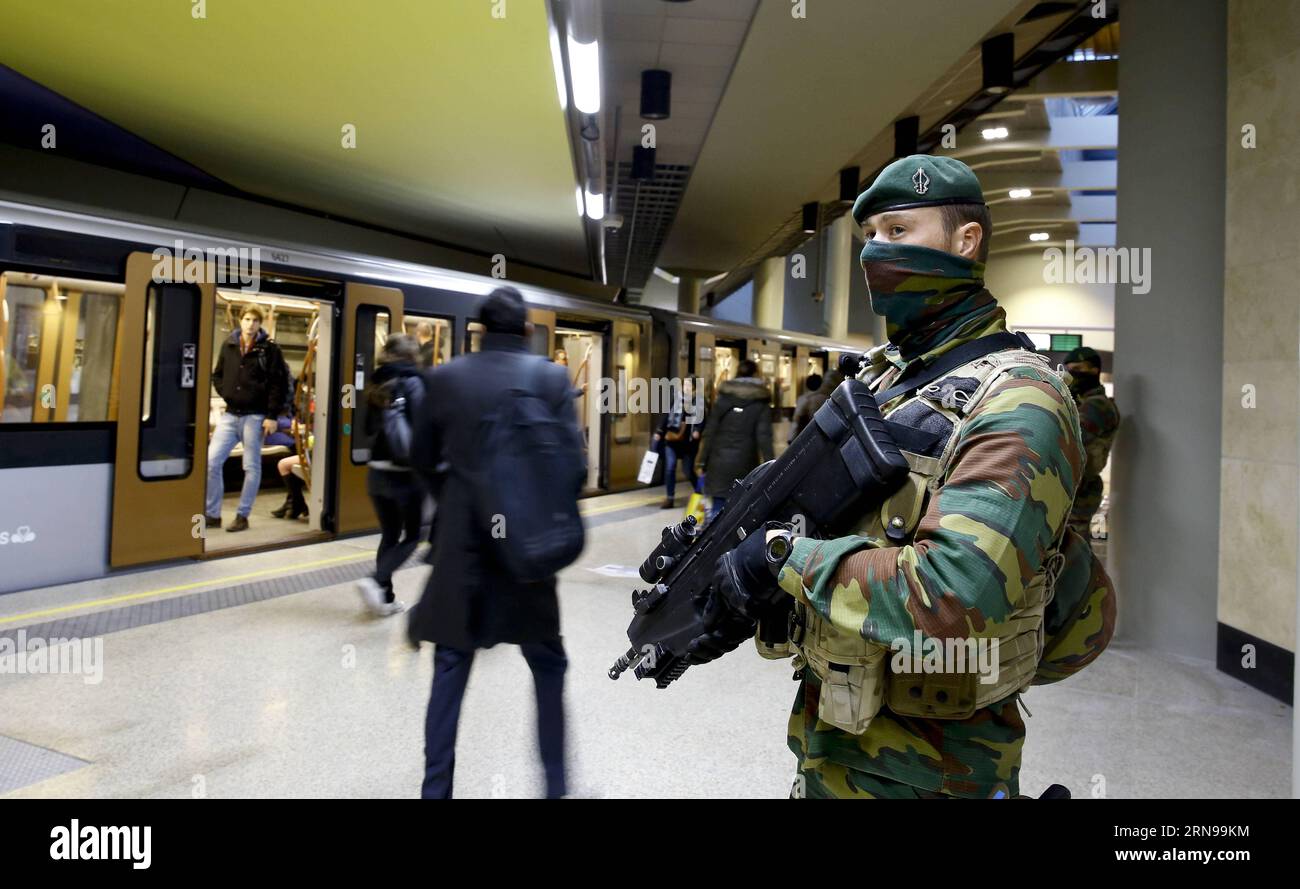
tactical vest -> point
(857, 676)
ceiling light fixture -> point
(810, 217)
(849, 179)
(992, 133)
(643, 163)
(595, 206)
(656, 94)
(557, 61)
(998, 57)
(1039, 236)
(581, 208)
(584, 67)
(906, 132)
(1018, 193)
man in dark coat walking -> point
(738, 435)
(471, 602)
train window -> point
(625, 355)
(169, 395)
(540, 341)
(473, 336)
(58, 348)
(434, 335)
(373, 324)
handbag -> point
(675, 434)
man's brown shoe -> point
(239, 524)
(212, 522)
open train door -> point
(370, 313)
(162, 420)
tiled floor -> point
(302, 694)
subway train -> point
(108, 334)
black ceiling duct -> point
(656, 94)
(849, 178)
(643, 162)
(810, 217)
(906, 132)
(998, 55)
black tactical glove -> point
(746, 576)
(727, 629)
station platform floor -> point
(262, 676)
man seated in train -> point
(253, 378)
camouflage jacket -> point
(1098, 419)
(983, 536)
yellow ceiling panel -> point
(459, 131)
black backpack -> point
(396, 421)
(530, 473)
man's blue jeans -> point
(232, 428)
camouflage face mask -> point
(1080, 382)
(926, 296)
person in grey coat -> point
(738, 434)
(470, 602)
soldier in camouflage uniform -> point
(1098, 420)
(973, 549)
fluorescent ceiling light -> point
(1038, 236)
(671, 279)
(715, 279)
(1020, 193)
(995, 133)
(557, 60)
(595, 206)
(584, 68)
(581, 207)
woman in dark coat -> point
(738, 435)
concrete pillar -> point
(688, 294)
(769, 293)
(840, 264)
(1165, 467)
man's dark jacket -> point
(256, 382)
(469, 601)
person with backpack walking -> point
(738, 434)
(499, 427)
(393, 397)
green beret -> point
(921, 180)
(1083, 354)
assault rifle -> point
(840, 465)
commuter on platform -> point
(814, 396)
(252, 377)
(424, 333)
(393, 397)
(738, 434)
(471, 601)
(678, 439)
